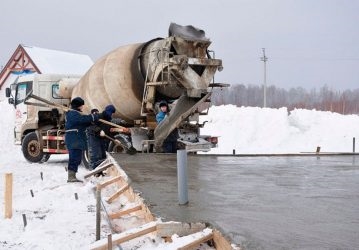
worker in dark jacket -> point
(97, 142)
(75, 136)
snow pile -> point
(251, 130)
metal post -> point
(264, 59)
(98, 213)
(182, 177)
(353, 144)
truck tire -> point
(31, 148)
(114, 148)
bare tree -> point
(325, 98)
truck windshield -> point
(22, 90)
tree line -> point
(324, 99)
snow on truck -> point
(134, 78)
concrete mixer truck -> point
(135, 78)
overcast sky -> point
(308, 43)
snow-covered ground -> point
(56, 220)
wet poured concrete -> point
(258, 202)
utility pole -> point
(264, 59)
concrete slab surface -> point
(304, 202)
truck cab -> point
(33, 121)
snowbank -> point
(251, 130)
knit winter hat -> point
(163, 103)
(94, 111)
(77, 102)
(110, 109)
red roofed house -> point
(28, 60)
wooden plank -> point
(147, 213)
(8, 195)
(98, 170)
(167, 229)
(124, 212)
(132, 196)
(118, 193)
(108, 182)
(220, 242)
(125, 236)
(196, 242)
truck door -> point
(22, 90)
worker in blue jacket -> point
(97, 142)
(75, 136)
(170, 143)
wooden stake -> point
(318, 150)
(98, 214)
(24, 219)
(8, 195)
(32, 193)
(41, 175)
(109, 242)
(76, 196)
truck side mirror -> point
(11, 100)
(8, 92)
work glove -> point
(102, 133)
(95, 129)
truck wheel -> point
(115, 148)
(85, 159)
(31, 148)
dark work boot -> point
(131, 151)
(72, 177)
(99, 174)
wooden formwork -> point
(117, 179)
